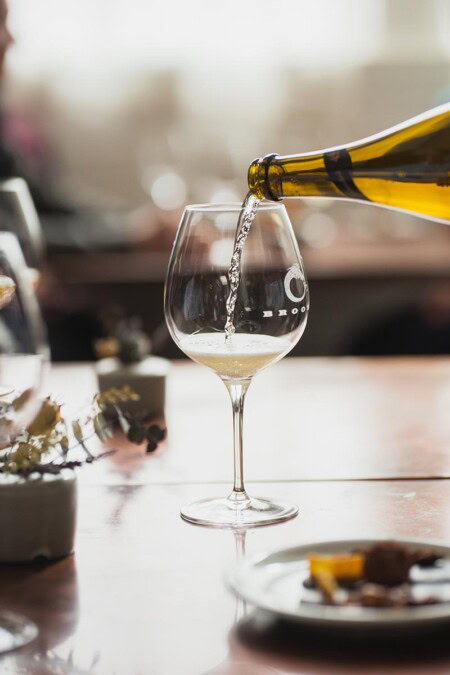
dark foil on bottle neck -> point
(269, 194)
(338, 164)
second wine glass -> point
(269, 318)
(23, 355)
(23, 344)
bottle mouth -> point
(258, 178)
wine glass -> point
(23, 346)
(269, 318)
(18, 215)
(23, 354)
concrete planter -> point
(147, 378)
(37, 516)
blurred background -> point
(123, 111)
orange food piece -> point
(340, 566)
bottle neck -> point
(278, 177)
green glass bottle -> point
(406, 167)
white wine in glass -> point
(236, 321)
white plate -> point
(274, 582)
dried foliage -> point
(45, 445)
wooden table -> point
(361, 446)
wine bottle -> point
(406, 167)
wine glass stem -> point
(237, 393)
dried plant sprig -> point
(44, 446)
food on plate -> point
(383, 574)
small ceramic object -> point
(37, 516)
(147, 378)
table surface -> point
(360, 445)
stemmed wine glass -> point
(269, 318)
(23, 354)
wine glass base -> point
(15, 631)
(224, 513)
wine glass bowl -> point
(18, 215)
(269, 317)
(23, 348)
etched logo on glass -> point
(294, 272)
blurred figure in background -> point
(6, 39)
(11, 162)
(67, 225)
(27, 160)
